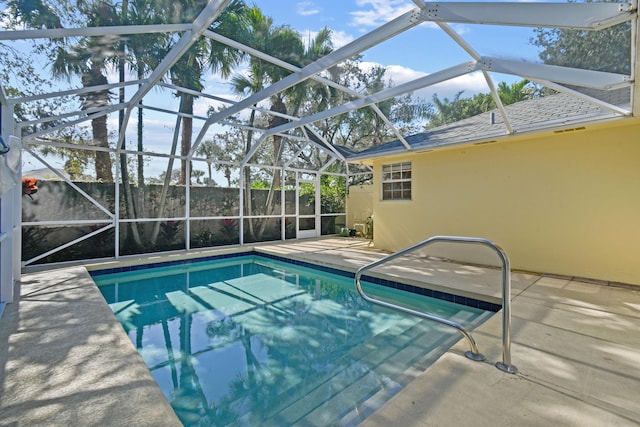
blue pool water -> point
(256, 341)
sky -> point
(408, 56)
(419, 51)
(422, 50)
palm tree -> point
(283, 43)
(35, 14)
(259, 33)
(518, 91)
(209, 150)
(188, 71)
(88, 59)
(294, 99)
(143, 53)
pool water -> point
(256, 341)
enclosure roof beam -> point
(252, 150)
(400, 24)
(53, 143)
(71, 92)
(326, 165)
(208, 15)
(563, 75)
(580, 95)
(498, 101)
(224, 100)
(56, 33)
(175, 113)
(265, 57)
(295, 156)
(84, 113)
(431, 79)
(324, 141)
(203, 118)
(102, 111)
(476, 56)
(581, 16)
(50, 143)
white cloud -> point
(400, 74)
(470, 84)
(306, 8)
(201, 105)
(378, 12)
(340, 38)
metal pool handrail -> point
(473, 354)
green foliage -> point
(450, 111)
(308, 190)
(175, 176)
(603, 50)
(258, 184)
(74, 166)
(225, 149)
(364, 127)
(18, 70)
(32, 13)
(518, 91)
(197, 174)
(333, 193)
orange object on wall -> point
(29, 186)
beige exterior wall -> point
(359, 204)
(564, 203)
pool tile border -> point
(100, 272)
(469, 302)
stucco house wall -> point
(564, 202)
(359, 204)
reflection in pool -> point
(255, 341)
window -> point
(396, 181)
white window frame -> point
(395, 176)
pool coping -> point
(66, 360)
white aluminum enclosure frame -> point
(10, 213)
(584, 16)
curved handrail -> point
(505, 365)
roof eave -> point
(565, 127)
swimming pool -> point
(249, 340)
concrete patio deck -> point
(65, 360)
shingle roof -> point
(548, 112)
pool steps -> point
(384, 352)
